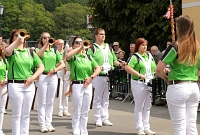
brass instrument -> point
(86, 43)
(51, 41)
(23, 34)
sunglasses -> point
(45, 37)
(78, 42)
(16, 35)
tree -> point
(70, 19)
(125, 21)
(35, 19)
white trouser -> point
(81, 99)
(47, 87)
(64, 88)
(101, 98)
(21, 101)
(2, 104)
(182, 101)
(142, 101)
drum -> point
(159, 89)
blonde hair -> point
(188, 46)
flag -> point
(167, 15)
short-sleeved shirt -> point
(140, 67)
(3, 67)
(179, 71)
(99, 58)
(50, 59)
(21, 64)
(81, 67)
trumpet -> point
(23, 34)
(86, 43)
(52, 41)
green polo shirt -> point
(140, 67)
(50, 59)
(81, 67)
(179, 71)
(21, 64)
(3, 68)
(99, 58)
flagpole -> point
(172, 20)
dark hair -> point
(96, 32)
(75, 39)
(12, 36)
(138, 42)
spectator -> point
(157, 55)
(132, 49)
(116, 49)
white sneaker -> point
(120, 99)
(140, 132)
(44, 129)
(60, 114)
(149, 132)
(117, 98)
(65, 113)
(98, 124)
(50, 128)
(107, 123)
(1, 132)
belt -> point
(180, 81)
(45, 73)
(16, 81)
(78, 82)
(103, 75)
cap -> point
(116, 43)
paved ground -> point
(121, 114)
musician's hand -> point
(51, 72)
(142, 76)
(123, 64)
(166, 70)
(2, 83)
(87, 82)
(4, 93)
(28, 82)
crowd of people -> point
(79, 69)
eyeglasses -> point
(45, 37)
(16, 35)
(78, 42)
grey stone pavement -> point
(121, 115)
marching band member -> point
(3, 86)
(141, 66)
(47, 83)
(63, 75)
(105, 57)
(182, 92)
(81, 68)
(21, 88)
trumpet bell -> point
(22, 33)
(51, 41)
(86, 43)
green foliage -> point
(37, 16)
(70, 20)
(126, 21)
